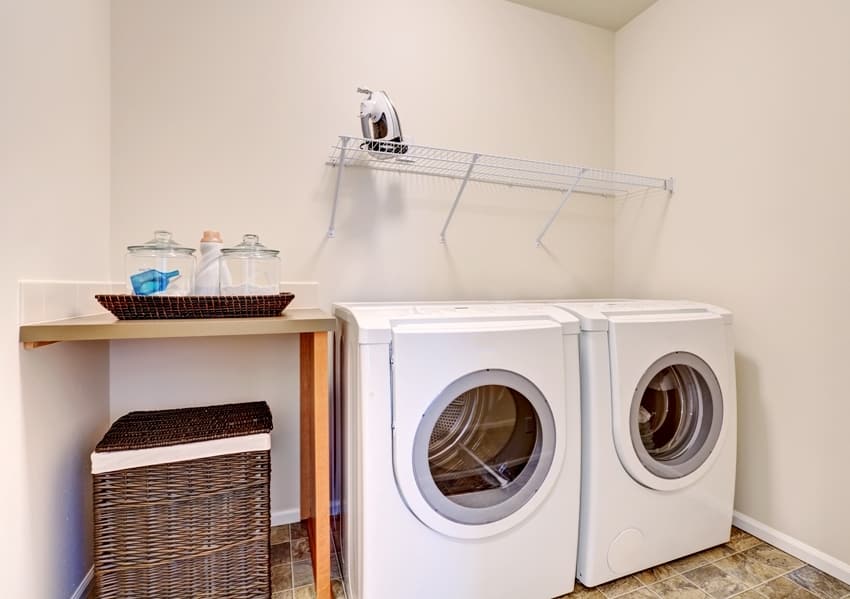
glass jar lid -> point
(250, 248)
(161, 243)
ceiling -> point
(609, 14)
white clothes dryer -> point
(460, 449)
(658, 433)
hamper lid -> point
(163, 428)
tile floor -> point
(745, 567)
(292, 570)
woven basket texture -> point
(192, 529)
(161, 428)
(166, 307)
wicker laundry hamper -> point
(181, 504)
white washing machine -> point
(460, 441)
(658, 433)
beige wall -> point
(152, 375)
(747, 104)
(224, 113)
(54, 223)
(223, 116)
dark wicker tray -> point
(164, 307)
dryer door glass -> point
(484, 447)
(676, 415)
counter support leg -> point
(315, 460)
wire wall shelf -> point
(483, 168)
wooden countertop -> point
(106, 327)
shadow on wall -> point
(388, 232)
(369, 200)
(753, 440)
(639, 220)
(65, 397)
(360, 214)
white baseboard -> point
(807, 553)
(83, 588)
(286, 517)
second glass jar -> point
(249, 268)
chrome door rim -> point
(703, 391)
(530, 479)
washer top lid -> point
(375, 320)
(595, 314)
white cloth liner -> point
(109, 461)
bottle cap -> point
(211, 236)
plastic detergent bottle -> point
(207, 281)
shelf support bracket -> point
(340, 165)
(566, 197)
(37, 344)
(457, 197)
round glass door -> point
(484, 447)
(676, 415)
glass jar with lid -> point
(249, 268)
(160, 266)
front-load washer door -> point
(669, 402)
(477, 408)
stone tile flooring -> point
(745, 567)
(292, 569)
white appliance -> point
(658, 433)
(459, 427)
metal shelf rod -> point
(331, 227)
(552, 218)
(501, 172)
(488, 169)
(586, 188)
(457, 197)
(408, 161)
